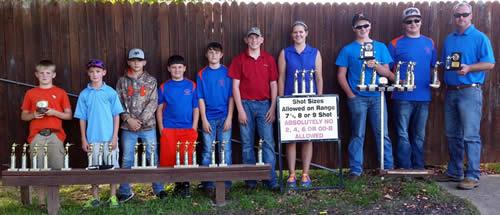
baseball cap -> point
(411, 12)
(358, 17)
(136, 53)
(254, 30)
(96, 63)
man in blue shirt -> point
(411, 108)
(363, 104)
(464, 97)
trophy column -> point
(259, 153)
(66, 157)
(13, 158)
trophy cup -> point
(152, 157)
(13, 158)
(397, 75)
(311, 82)
(178, 155)
(186, 154)
(194, 163)
(259, 153)
(100, 157)
(223, 154)
(24, 158)
(136, 156)
(66, 157)
(45, 157)
(42, 106)
(362, 86)
(435, 80)
(143, 156)
(109, 158)
(213, 164)
(90, 156)
(296, 83)
(303, 81)
(34, 158)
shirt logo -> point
(221, 82)
(187, 92)
(54, 96)
(427, 50)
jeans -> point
(129, 139)
(462, 115)
(217, 126)
(256, 116)
(360, 108)
(410, 120)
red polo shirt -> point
(254, 74)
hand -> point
(371, 64)
(85, 145)
(270, 115)
(242, 117)
(134, 124)
(228, 124)
(50, 112)
(206, 127)
(114, 142)
(464, 70)
(37, 115)
(351, 96)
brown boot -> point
(468, 184)
(446, 178)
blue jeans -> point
(129, 139)
(361, 108)
(462, 115)
(256, 115)
(217, 126)
(410, 120)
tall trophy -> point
(100, 158)
(222, 153)
(410, 76)
(13, 158)
(178, 155)
(296, 82)
(435, 79)
(397, 75)
(186, 154)
(136, 156)
(24, 158)
(259, 153)
(109, 158)
(212, 163)
(152, 157)
(373, 83)
(34, 158)
(362, 86)
(90, 156)
(45, 164)
(311, 81)
(143, 157)
(303, 82)
(194, 163)
(367, 53)
(66, 157)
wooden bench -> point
(52, 180)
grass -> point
(366, 195)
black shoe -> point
(122, 198)
(186, 192)
(162, 195)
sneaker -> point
(447, 178)
(113, 202)
(306, 181)
(122, 198)
(92, 203)
(186, 192)
(162, 195)
(468, 184)
(291, 182)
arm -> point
(481, 66)
(159, 117)
(229, 119)
(83, 132)
(270, 115)
(28, 116)
(204, 121)
(196, 117)
(242, 116)
(342, 78)
(67, 114)
(319, 73)
(116, 126)
(282, 73)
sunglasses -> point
(359, 27)
(458, 15)
(408, 22)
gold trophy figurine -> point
(303, 82)
(362, 86)
(223, 153)
(213, 164)
(90, 156)
(45, 157)
(100, 158)
(66, 157)
(435, 79)
(13, 158)
(152, 156)
(24, 158)
(259, 153)
(311, 82)
(194, 163)
(143, 156)
(34, 159)
(373, 84)
(397, 75)
(178, 155)
(186, 154)
(109, 159)
(296, 82)
(136, 155)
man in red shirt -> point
(255, 76)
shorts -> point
(55, 151)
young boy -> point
(216, 108)
(46, 124)
(177, 117)
(98, 108)
(138, 94)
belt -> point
(464, 86)
(45, 132)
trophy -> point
(373, 83)
(109, 158)
(152, 157)
(186, 154)
(90, 157)
(13, 158)
(410, 76)
(66, 157)
(362, 85)
(34, 158)
(397, 75)
(223, 154)
(454, 61)
(435, 80)
(367, 51)
(213, 164)
(136, 155)
(42, 106)
(194, 164)
(100, 157)
(311, 82)
(143, 158)
(24, 158)
(259, 153)
(303, 81)
(296, 83)
(178, 155)
(45, 157)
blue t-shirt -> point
(215, 88)
(420, 50)
(474, 47)
(98, 107)
(179, 101)
(306, 60)
(349, 58)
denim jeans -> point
(462, 115)
(256, 116)
(410, 119)
(217, 126)
(360, 108)
(129, 139)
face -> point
(462, 17)
(136, 64)
(412, 25)
(362, 29)
(299, 34)
(96, 74)
(177, 71)
(214, 56)
(45, 75)
(254, 41)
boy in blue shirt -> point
(98, 108)
(216, 108)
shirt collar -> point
(102, 86)
(307, 49)
(467, 31)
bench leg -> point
(25, 195)
(220, 193)
(52, 199)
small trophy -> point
(143, 156)
(42, 106)
(362, 86)
(410, 76)
(311, 82)
(194, 163)
(435, 80)
(13, 158)
(45, 157)
(213, 164)
(34, 159)
(109, 159)
(90, 156)
(186, 154)
(397, 75)
(152, 157)
(66, 157)
(367, 51)
(373, 83)
(136, 155)
(223, 154)
(178, 155)
(24, 158)
(455, 61)
(303, 81)
(259, 153)
(296, 82)
(100, 158)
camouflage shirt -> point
(139, 98)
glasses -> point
(408, 22)
(458, 15)
(359, 27)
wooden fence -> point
(72, 33)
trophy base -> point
(372, 87)
(194, 166)
(179, 166)
(34, 170)
(66, 169)
(361, 87)
(222, 165)
(303, 94)
(140, 167)
(435, 85)
(24, 170)
(213, 165)
(12, 170)
(259, 164)
(410, 87)
(45, 169)
(389, 88)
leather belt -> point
(45, 132)
(464, 86)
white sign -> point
(308, 118)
